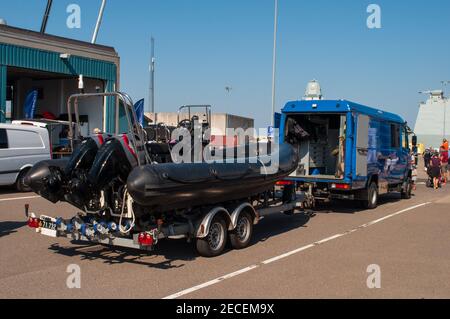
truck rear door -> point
(362, 145)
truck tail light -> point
(33, 222)
(145, 239)
(341, 186)
(285, 183)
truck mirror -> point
(414, 140)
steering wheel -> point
(187, 124)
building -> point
(51, 65)
(433, 120)
(219, 121)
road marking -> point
(212, 282)
(290, 253)
(17, 198)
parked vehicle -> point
(58, 132)
(347, 151)
(131, 194)
(21, 147)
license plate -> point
(48, 227)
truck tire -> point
(20, 183)
(242, 235)
(213, 244)
(407, 193)
(372, 197)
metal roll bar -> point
(133, 124)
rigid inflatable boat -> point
(172, 186)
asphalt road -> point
(325, 255)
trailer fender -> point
(203, 228)
(238, 210)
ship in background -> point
(433, 120)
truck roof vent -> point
(313, 91)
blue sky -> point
(202, 46)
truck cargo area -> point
(320, 139)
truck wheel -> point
(407, 193)
(20, 182)
(213, 244)
(372, 197)
(241, 236)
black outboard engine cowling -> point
(50, 178)
(114, 161)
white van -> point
(21, 146)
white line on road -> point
(290, 253)
(17, 198)
(210, 283)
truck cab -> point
(347, 150)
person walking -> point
(427, 158)
(444, 164)
(435, 166)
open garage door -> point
(53, 91)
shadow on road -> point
(8, 228)
(277, 224)
(353, 207)
(7, 190)
(169, 253)
(169, 250)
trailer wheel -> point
(372, 197)
(407, 193)
(241, 236)
(213, 244)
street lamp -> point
(274, 62)
(444, 83)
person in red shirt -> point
(444, 165)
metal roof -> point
(339, 106)
(47, 42)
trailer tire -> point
(371, 202)
(214, 243)
(241, 236)
(407, 194)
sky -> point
(204, 46)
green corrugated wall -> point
(2, 93)
(29, 58)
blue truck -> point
(347, 151)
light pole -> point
(444, 83)
(274, 62)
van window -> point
(24, 139)
(395, 135)
(3, 139)
(405, 142)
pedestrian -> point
(427, 157)
(444, 165)
(414, 171)
(435, 166)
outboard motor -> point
(49, 178)
(114, 161)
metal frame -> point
(128, 105)
(189, 107)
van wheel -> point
(213, 244)
(20, 183)
(372, 197)
(241, 236)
